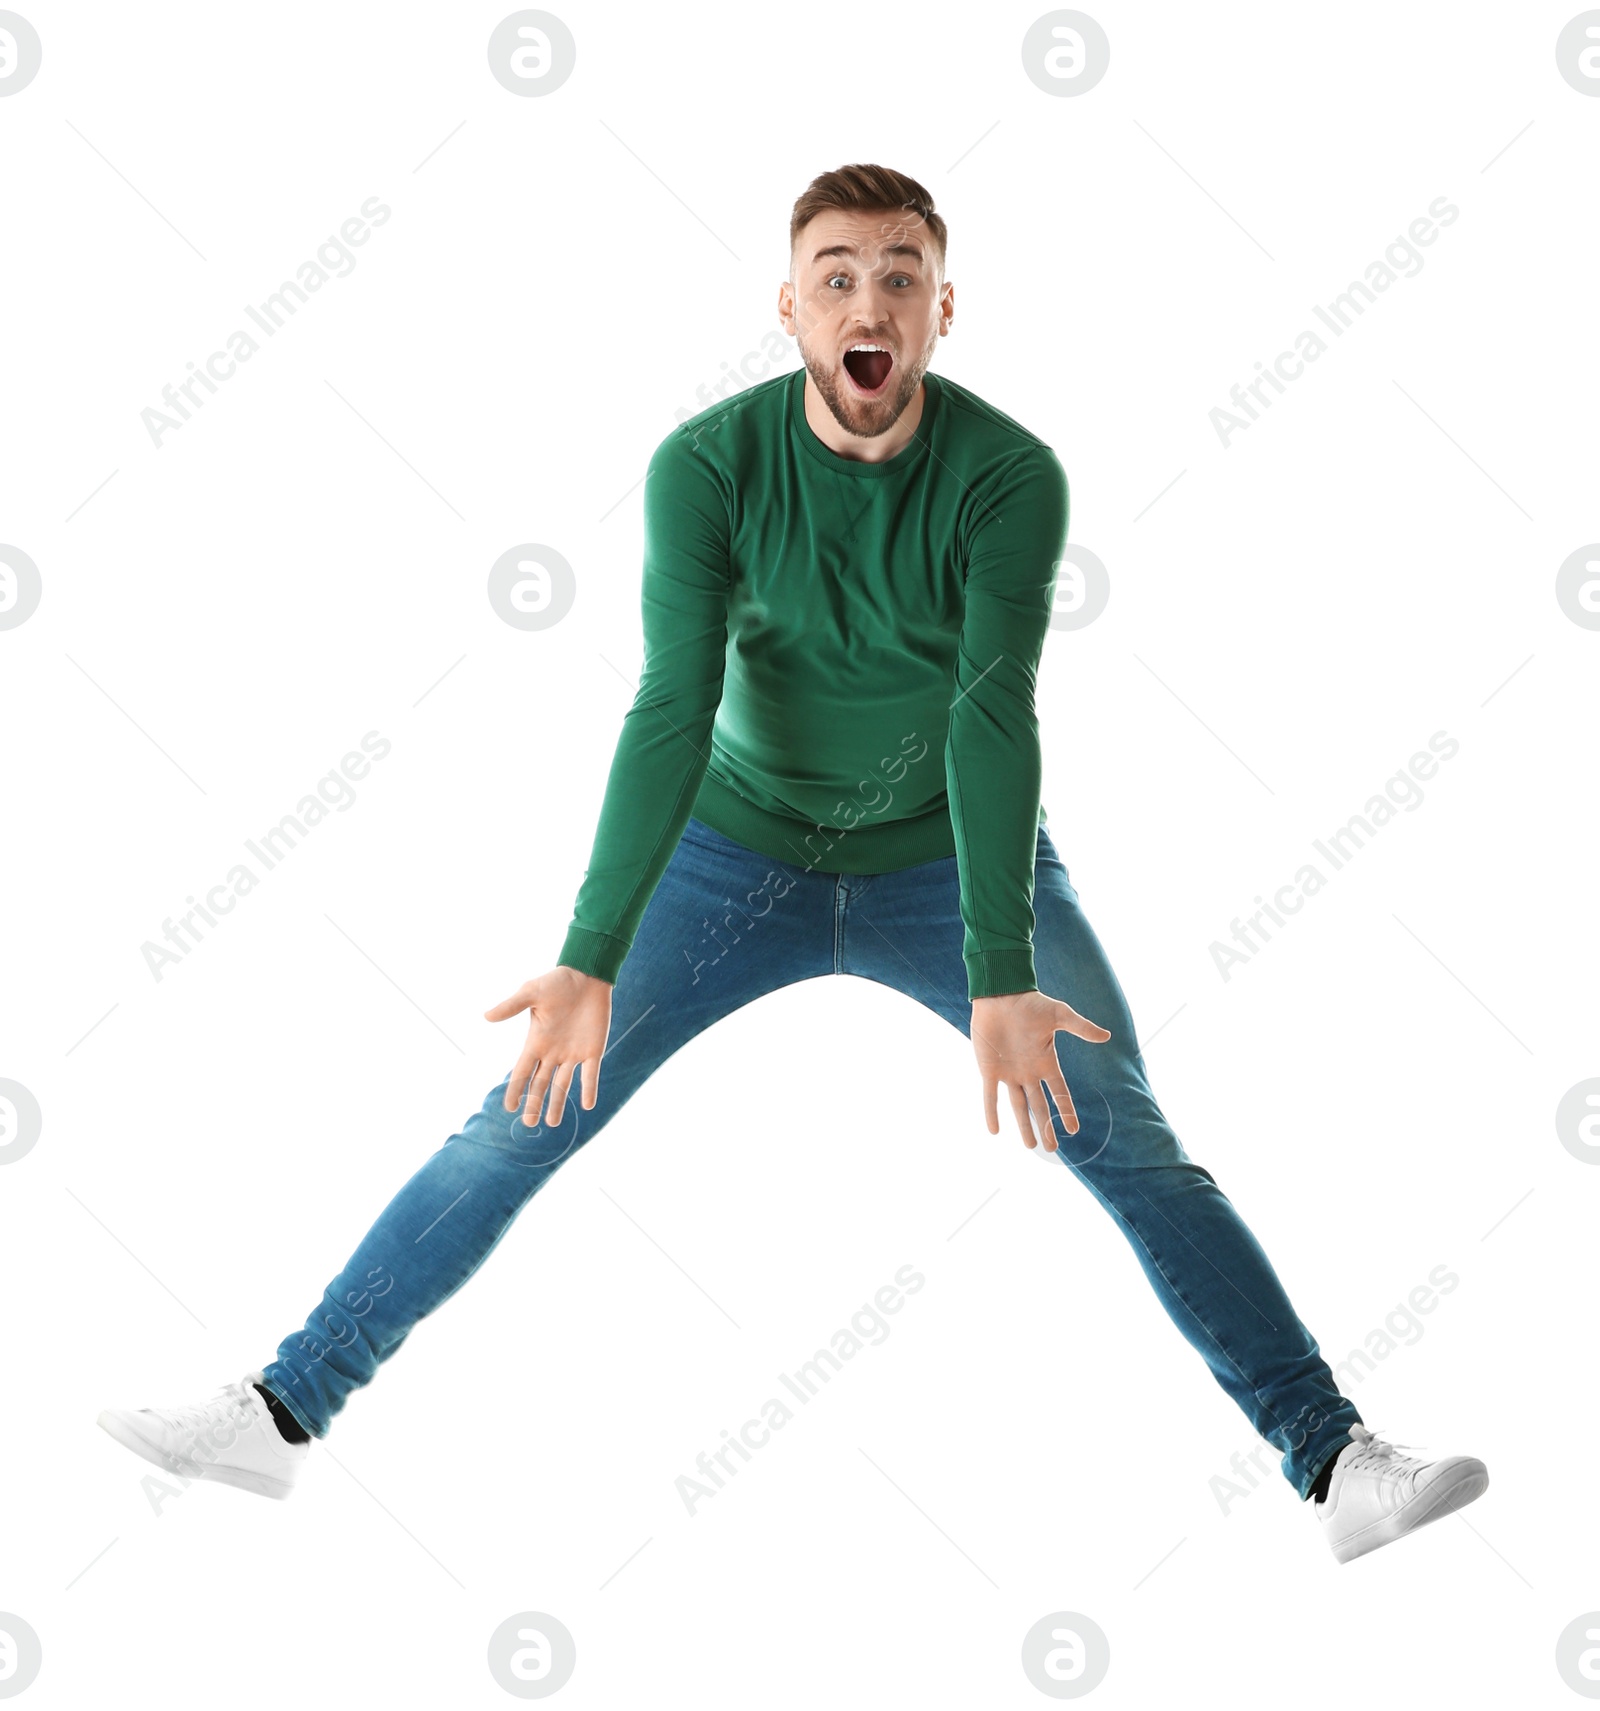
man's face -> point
(866, 278)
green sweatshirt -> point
(839, 663)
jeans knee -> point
(536, 1145)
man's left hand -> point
(1014, 1039)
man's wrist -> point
(584, 974)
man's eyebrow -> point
(850, 249)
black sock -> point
(288, 1427)
(1319, 1490)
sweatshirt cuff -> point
(593, 953)
(992, 974)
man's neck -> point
(862, 448)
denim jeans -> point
(726, 925)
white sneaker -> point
(231, 1439)
(1376, 1494)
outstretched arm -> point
(660, 759)
(1017, 527)
(665, 745)
(993, 769)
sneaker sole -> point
(262, 1484)
(1441, 1498)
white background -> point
(223, 618)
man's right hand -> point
(569, 1019)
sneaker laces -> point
(1373, 1454)
(232, 1401)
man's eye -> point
(904, 278)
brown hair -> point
(870, 189)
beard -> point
(866, 417)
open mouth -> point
(868, 366)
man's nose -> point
(871, 306)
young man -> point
(832, 766)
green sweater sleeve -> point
(992, 760)
(665, 745)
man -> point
(832, 766)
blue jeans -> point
(726, 925)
